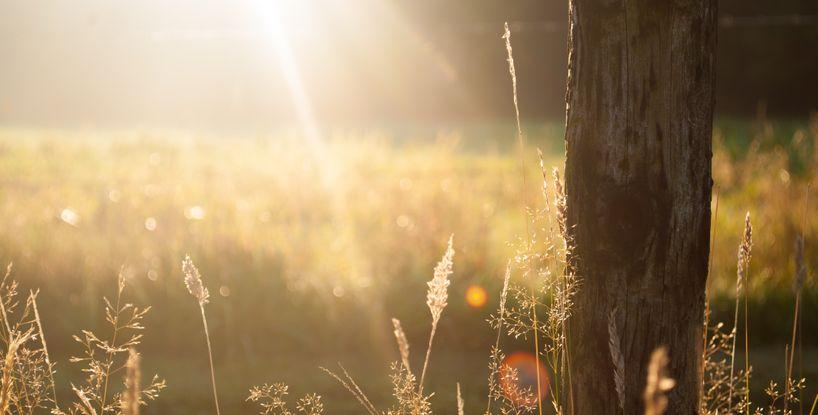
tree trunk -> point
(638, 138)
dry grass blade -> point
(460, 402)
(353, 389)
(131, 396)
(32, 297)
(658, 383)
(800, 265)
(618, 359)
(85, 407)
(357, 388)
(8, 368)
(403, 343)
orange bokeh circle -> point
(476, 296)
(521, 389)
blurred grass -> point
(309, 250)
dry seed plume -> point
(745, 250)
(193, 281)
(130, 397)
(541, 158)
(436, 299)
(438, 293)
(560, 203)
(403, 344)
(658, 383)
(504, 293)
(513, 72)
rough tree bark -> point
(638, 137)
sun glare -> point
(276, 32)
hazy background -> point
(216, 65)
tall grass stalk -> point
(744, 253)
(521, 144)
(33, 300)
(6, 392)
(706, 326)
(193, 281)
(436, 298)
(797, 286)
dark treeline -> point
(767, 53)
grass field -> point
(308, 248)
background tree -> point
(639, 124)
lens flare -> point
(518, 379)
(476, 296)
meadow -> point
(310, 248)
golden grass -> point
(414, 192)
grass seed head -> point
(438, 293)
(745, 250)
(193, 281)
